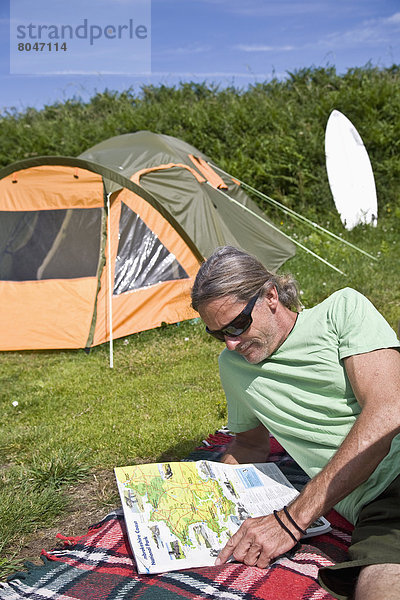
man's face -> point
(256, 343)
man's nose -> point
(232, 342)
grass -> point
(23, 509)
(58, 468)
(75, 415)
(378, 280)
(112, 415)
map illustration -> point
(184, 504)
(181, 514)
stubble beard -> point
(258, 351)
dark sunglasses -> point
(239, 324)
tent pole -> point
(109, 281)
(294, 214)
(282, 233)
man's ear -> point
(271, 297)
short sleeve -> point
(359, 325)
(240, 416)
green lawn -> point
(75, 415)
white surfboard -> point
(350, 174)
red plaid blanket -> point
(99, 565)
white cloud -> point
(383, 31)
(176, 75)
(212, 74)
(182, 50)
(371, 32)
(270, 8)
(135, 73)
(262, 48)
(393, 20)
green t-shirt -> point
(302, 395)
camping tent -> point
(70, 277)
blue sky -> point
(230, 42)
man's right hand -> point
(258, 541)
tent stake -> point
(295, 215)
(109, 281)
(284, 234)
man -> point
(326, 383)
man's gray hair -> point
(233, 272)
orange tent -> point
(87, 253)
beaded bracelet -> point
(282, 524)
(293, 522)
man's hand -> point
(258, 541)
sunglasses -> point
(239, 324)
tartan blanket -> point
(100, 566)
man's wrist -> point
(293, 522)
(286, 526)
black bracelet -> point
(282, 524)
(293, 522)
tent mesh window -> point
(142, 260)
(50, 244)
